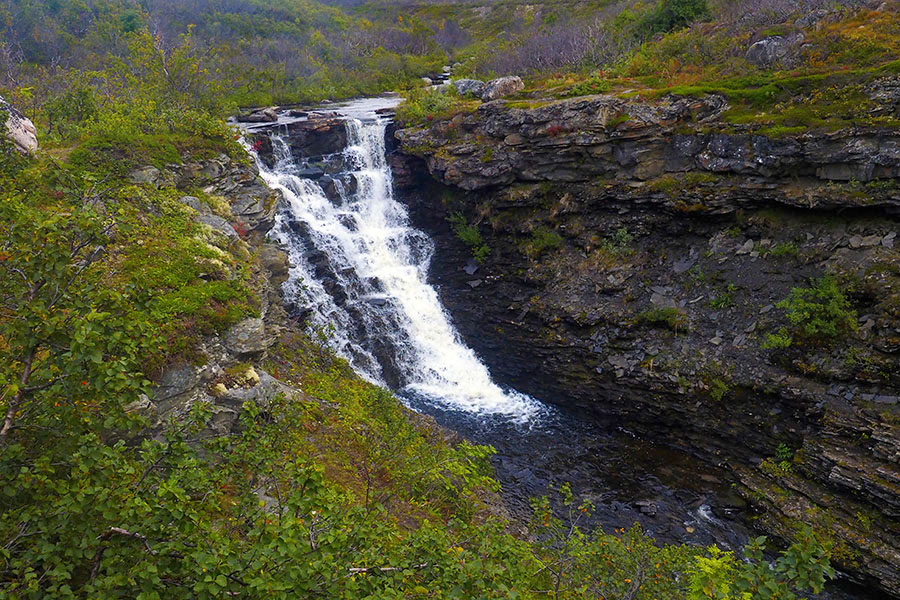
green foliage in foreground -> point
(252, 517)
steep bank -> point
(637, 252)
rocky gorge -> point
(634, 256)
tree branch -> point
(103, 537)
(14, 402)
(355, 570)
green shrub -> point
(778, 341)
(722, 301)
(717, 389)
(470, 236)
(667, 318)
(594, 85)
(424, 105)
(783, 249)
(618, 243)
(542, 240)
(673, 14)
(783, 453)
(804, 565)
(820, 311)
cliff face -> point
(230, 373)
(637, 255)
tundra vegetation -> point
(105, 283)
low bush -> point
(619, 243)
(425, 105)
(470, 236)
(669, 15)
(542, 240)
(670, 318)
(820, 311)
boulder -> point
(197, 204)
(469, 87)
(175, 382)
(275, 261)
(499, 88)
(148, 175)
(773, 49)
(263, 115)
(19, 128)
(247, 338)
(218, 224)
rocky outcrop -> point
(638, 252)
(19, 128)
(774, 49)
(230, 373)
(618, 141)
(252, 205)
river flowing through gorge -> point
(360, 278)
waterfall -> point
(360, 271)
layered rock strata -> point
(638, 252)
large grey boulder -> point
(219, 225)
(263, 115)
(19, 128)
(499, 88)
(466, 87)
(148, 175)
(247, 338)
(774, 49)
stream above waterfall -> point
(360, 278)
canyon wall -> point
(633, 258)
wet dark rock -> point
(319, 135)
(564, 326)
(311, 173)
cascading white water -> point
(361, 270)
